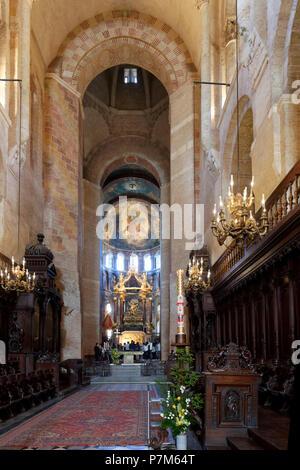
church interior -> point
(149, 224)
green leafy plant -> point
(181, 403)
(115, 356)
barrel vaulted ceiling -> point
(52, 20)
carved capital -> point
(199, 3)
(230, 29)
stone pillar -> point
(206, 90)
(62, 215)
(115, 309)
(144, 311)
(289, 129)
(121, 312)
(90, 283)
(165, 283)
(150, 310)
(182, 184)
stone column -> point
(62, 214)
(115, 309)
(90, 283)
(165, 283)
(144, 311)
(121, 312)
(150, 310)
(289, 129)
(182, 184)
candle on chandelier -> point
(263, 202)
(215, 210)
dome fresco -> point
(131, 187)
(138, 229)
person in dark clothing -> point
(294, 435)
(97, 352)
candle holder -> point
(181, 336)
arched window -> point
(157, 261)
(147, 262)
(130, 75)
(134, 262)
(120, 262)
(108, 260)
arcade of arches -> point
(110, 105)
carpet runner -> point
(87, 418)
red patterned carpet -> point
(87, 418)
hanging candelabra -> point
(199, 279)
(241, 226)
(18, 279)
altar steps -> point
(126, 373)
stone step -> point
(155, 424)
(155, 412)
(243, 443)
(270, 439)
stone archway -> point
(117, 37)
(151, 157)
(158, 49)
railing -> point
(282, 201)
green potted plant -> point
(181, 403)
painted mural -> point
(131, 187)
(134, 227)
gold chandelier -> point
(196, 281)
(241, 225)
(18, 279)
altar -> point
(129, 356)
(136, 336)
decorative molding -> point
(5, 116)
(212, 163)
(254, 57)
(230, 29)
(54, 76)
